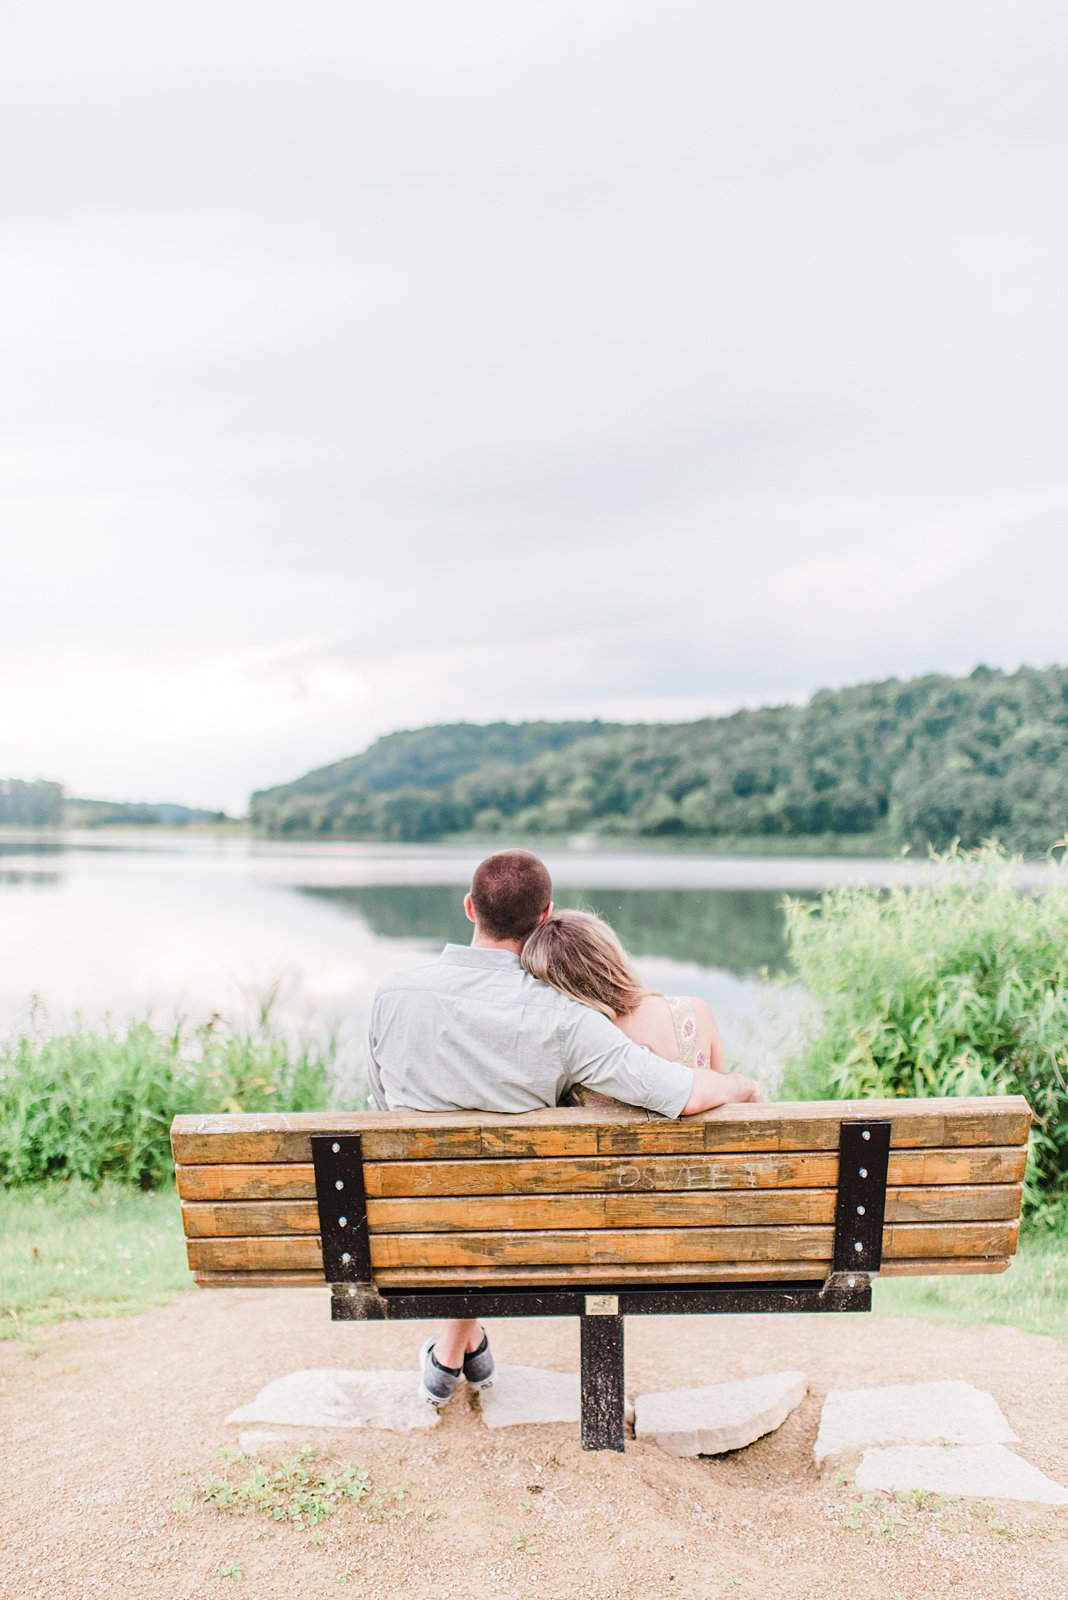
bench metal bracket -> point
(357, 1302)
(863, 1157)
(339, 1190)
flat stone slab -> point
(985, 1472)
(531, 1394)
(720, 1416)
(329, 1397)
(946, 1412)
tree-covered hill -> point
(422, 759)
(40, 803)
(912, 762)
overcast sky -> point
(371, 366)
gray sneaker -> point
(479, 1369)
(437, 1383)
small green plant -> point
(983, 1511)
(906, 1512)
(525, 1543)
(231, 1569)
(297, 1489)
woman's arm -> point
(712, 1089)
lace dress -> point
(684, 1017)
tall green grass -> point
(955, 986)
(97, 1103)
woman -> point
(579, 954)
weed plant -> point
(952, 987)
(303, 1489)
(97, 1103)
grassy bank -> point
(1032, 1294)
(68, 1250)
(97, 1103)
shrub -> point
(98, 1103)
(955, 986)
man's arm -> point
(374, 1072)
(600, 1056)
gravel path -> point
(105, 1424)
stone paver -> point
(531, 1394)
(948, 1411)
(720, 1416)
(985, 1472)
(329, 1397)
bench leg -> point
(603, 1399)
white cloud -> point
(368, 369)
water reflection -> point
(194, 927)
(739, 931)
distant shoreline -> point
(859, 847)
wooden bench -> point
(603, 1214)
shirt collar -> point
(466, 956)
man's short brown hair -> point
(509, 892)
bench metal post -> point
(603, 1397)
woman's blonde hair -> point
(579, 954)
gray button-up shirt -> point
(475, 1032)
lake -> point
(134, 923)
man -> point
(474, 1031)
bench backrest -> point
(581, 1195)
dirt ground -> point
(105, 1425)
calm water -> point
(119, 926)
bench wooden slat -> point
(418, 1279)
(732, 1208)
(619, 1247)
(398, 1179)
(580, 1131)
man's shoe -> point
(437, 1383)
(478, 1365)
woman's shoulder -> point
(693, 1005)
(651, 1023)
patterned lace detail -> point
(684, 1016)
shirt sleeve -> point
(598, 1055)
(374, 1072)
